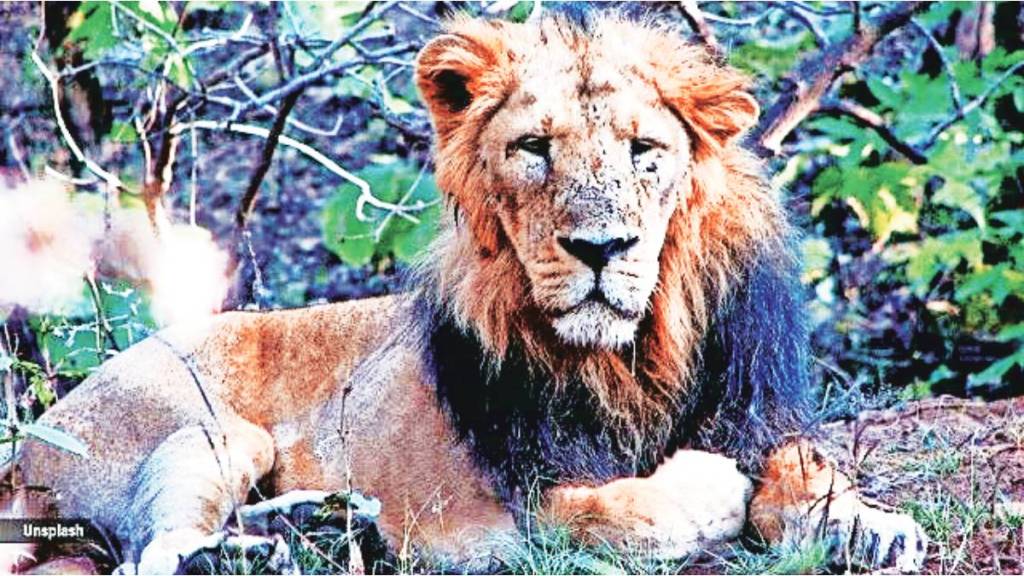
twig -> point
(245, 207)
(417, 14)
(815, 75)
(299, 83)
(89, 181)
(297, 124)
(695, 18)
(52, 79)
(351, 33)
(971, 106)
(103, 328)
(796, 10)
(194, 173)
(365, 194)
(870, 119)
(19, 158)
(954, 86)
(319, 69)
(819, 11)
(739, 22)
(171, 42)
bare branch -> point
(54, 81)
(695, 18)
(815, 75)
(739, 22)
(366, 196)
(245, 207)
(350, 34)
(297, 84)
(165, 36)
(971, 106)
(293, 122)
(869, 119)
(795, 10)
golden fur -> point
(642, 148)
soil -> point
(958, 464)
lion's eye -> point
(641, 146)
(536, 145)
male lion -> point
(612, 293)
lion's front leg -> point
(803, 498)
(692, 501)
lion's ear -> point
(461, 70)
(718, 115)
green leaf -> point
(91, 26)
(962, 196)
(357, 241)
(123, 133)
(994, 281)
(344, 233)
(409, 245)
(771, 60)
(888, 96)
(56, 437)
(939, 253)
(994, 373)
(1011, 332)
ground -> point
(957, 466)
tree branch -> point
(815, 75)
(695, 18)
(245, 207)
(366, 196)
(962, 111)
(869, 119)
(54, 81)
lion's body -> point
(282, 372)
(614, 284)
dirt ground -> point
(956, 465)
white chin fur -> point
(594, 324)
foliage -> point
(357, 237)
(945, 234)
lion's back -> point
(262, 367)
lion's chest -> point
(523, 433)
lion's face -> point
(584, 171)
(573, 149)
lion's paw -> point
(881, 539)
(692, 501)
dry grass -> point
(957, 466)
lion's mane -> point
(533, 405)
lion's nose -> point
(596, 253)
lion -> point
(607, 332)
